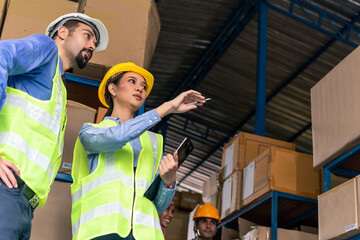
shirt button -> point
(138, 131)
(150, 121)
(155, 117)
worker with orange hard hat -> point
(206, 218)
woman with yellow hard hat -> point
(116, 160)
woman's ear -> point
(112, 89)
(63, 32)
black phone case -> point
(184, 149)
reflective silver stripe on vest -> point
(110, 163)
(142, 183)
(34, 112)
(153, 140)
(97, 182)
(146, 220)
(18, 142)
(38, 114)
(103, 210)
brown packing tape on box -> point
(77, 115)
(133, 28)
(26, 17)
(339, 211)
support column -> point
(261, 70)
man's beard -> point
(83, 60)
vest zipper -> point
(133, 205)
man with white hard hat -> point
(33, 114)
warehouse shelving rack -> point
(277, 209)
(346, 165)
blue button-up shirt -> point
(96, 140)
(28, 64)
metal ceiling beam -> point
(220, 43)
(296, 74)
(321, 17)
(273, 94)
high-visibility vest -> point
(32, 134)
(111, 199)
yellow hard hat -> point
(125, 67)
(207, 211)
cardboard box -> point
(133, 28)
(280, 170)
(92, 71)
(335, 104)
(190, 231)
(53, 221)
(26, 17)
(176, 199)
(77, 115)
(231, 194)
(244, 147)
(245, 226)
(213, 199)
(177, 229)
(264, 233)
(210, 186)
(339, 211)
(228, 233)
(3, 9)
(334, 180)
(189, 200)
(100, 114)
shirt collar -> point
(117, 120)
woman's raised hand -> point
(180, 104)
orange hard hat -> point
(207, 211)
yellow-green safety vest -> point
(111, 199)
(32, 134)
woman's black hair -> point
(108, 97)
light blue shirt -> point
(28, 64)
(96, 140)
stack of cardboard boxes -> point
(252, 167)
(335, 104)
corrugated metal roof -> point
(298, 56)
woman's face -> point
(130, 91)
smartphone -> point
(184, 149)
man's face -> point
(206, 227)
(80, 44)
(167, 215)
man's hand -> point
(7, 175)
(167, 169)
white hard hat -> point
(99, 28)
